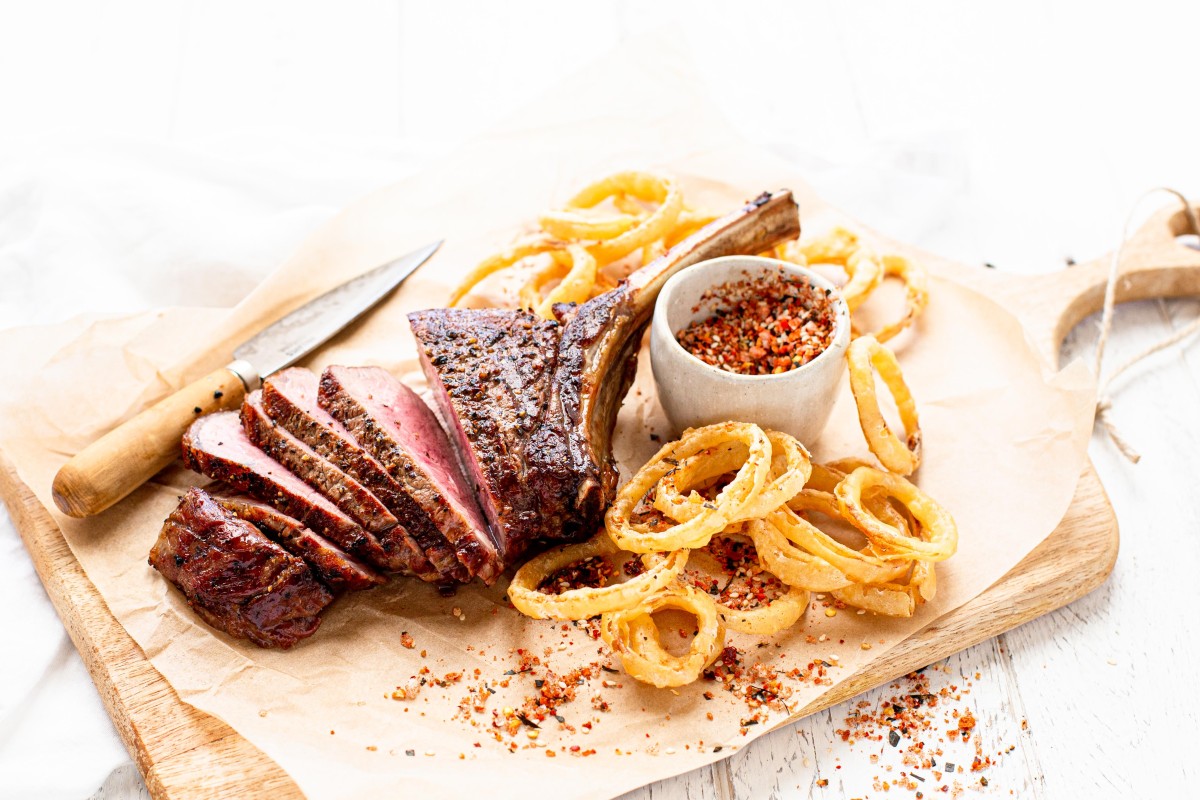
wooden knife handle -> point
(126, 457)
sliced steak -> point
(217, 446)
(336, 569)
(290, 398)
(491, 373)
(346, 493)
(236, 578)
(551, 475)
(402, 433)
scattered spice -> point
(934, 729)
(742, 583)
(592, 572)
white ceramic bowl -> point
(694, 393)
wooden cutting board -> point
(185, 754)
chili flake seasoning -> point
(763, 325)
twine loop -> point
(1104, 402)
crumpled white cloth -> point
(122, 226)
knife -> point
(126, 457)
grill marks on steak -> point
(335, 568)
(217, 446)
(560, 463)
(290, 398)
(491, 374)
(236, 578)
(396, 427)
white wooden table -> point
(1042, 121)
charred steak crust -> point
(560, 462)
(234, 577)
(491, 373)
(362, 398)
(290, 398)
(217, 446)
(335, 568)
(346, 493)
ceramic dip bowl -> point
(695, 393)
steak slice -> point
(290, 398)
(346, 493)
(217, 446)
(402, 433)
(335, 568)
(552, 476)
(234, 577)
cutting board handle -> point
(1153, 264)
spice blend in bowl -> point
(745, 337)
(772, 323)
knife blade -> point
(286, 341)
(123, 459)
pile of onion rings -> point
(628, 219)
(734, 479)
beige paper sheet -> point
(1004, 435)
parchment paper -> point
(1004, 436)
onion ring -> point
(862, 355)
(791, 564)
(588, 601)
(834, 246)
(531, 246)
(788, 251)
(567, 224)
(939, 534)
(642, 185)
(634, 637)
(689, 221)
(531, 293)
(843, 248)
(888, 599)
(824, 478)
(573, 268)
(892, 599)
(790, 468)
(712, 517)
(876, 500)
(865, 273)
(769, 618)
(865, 566)
(916, 293)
